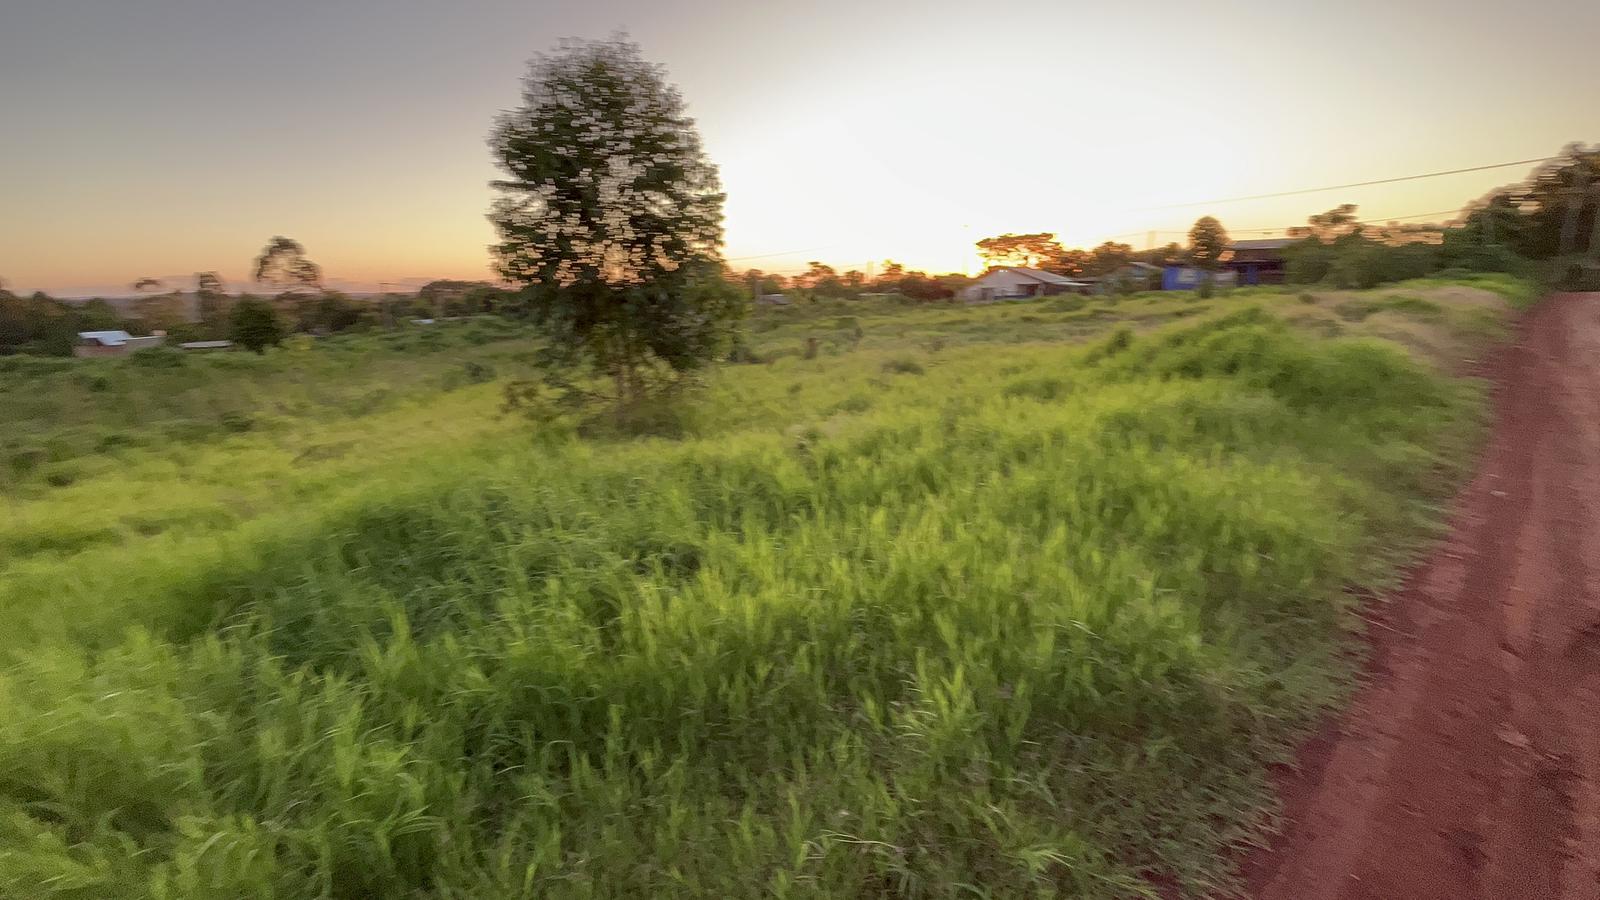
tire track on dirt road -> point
(1468, 766)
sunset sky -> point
(161, 137)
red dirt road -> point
(1469, 765)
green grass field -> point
(1016, 600)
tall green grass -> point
(893, 621)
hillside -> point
(913, 602)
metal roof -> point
(106, 338)
(1038, 275)
(1262, 244)
(205, 345)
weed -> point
(1037, 621)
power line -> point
(1373, 221)
(1353, 184)
(1293, 193)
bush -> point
(157, 358)
(1580, 277)
(254, 325)
(902, 365)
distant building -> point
(114, 343)
(206, 345)
(1189, 278)
(1257, 262)
(773, 300)
(1018, 282)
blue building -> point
(1189, 278)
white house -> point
(113, 343)
(1014, 282)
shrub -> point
(477, 372)
(902, 365)
(157, 358)
(254, 325)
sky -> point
(164, 137)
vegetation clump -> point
(1036, 620)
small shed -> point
(1019, 282)
(1190, 278)
(206, 345)
(1258, 262)
(113, 343)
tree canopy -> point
(1028, 250)
(1554, 212)
(283, 263)
(1207, 240)
(610, 216)
(1326, 226)
(255, 325)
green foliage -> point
(1034, 623)
(39, 324)
(1027, 250)
(254, 325)
(283, 262)
(902, 365)
(1551, 214)
(1358, 262)
(1207, 241)
(157, 358)
(610, 218)
(1580, 276)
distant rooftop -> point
(1262, 244)
(1038, 275)
(106, 338)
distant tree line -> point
(290, 299)
(1547, 225)
(1552, 218)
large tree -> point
(283, 263)
(1330, 225)
(1553, 212)
(1108, 257)
(1207, 240)
(1030, 250)
(610, 217)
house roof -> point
(106, 338)
(1263, 244)
(1036, 274)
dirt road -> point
(1469, 766)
